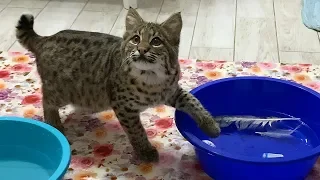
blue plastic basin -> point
(258, 96)
(31, 149)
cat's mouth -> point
(143, 64)
(143, 59)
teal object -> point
(311, 14)
(30, 149)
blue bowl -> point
(31, 149)
(257, 96)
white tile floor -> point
(233, 30)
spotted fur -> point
(98, 71)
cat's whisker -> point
(126, 61)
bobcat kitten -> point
(98, 71)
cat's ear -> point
(133, 19)
(173, 25)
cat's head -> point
(150, 46)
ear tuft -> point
(133, 19)
(173, 26)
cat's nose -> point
(143, 49)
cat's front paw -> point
(210, 127)
(148, 155)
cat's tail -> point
(25, 32)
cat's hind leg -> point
(51, 111)
(51, 116)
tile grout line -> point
(312, 52)
(6, 6)
(34, 19)
(235, 31)
(115, 21)
(160, 10)
(194, 28)
(79, 14)
(275, 26)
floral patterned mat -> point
(100, 148)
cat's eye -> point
(156, 42)
(135, 40)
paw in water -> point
(210, 127)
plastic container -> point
(256, 96)
(31, 149)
